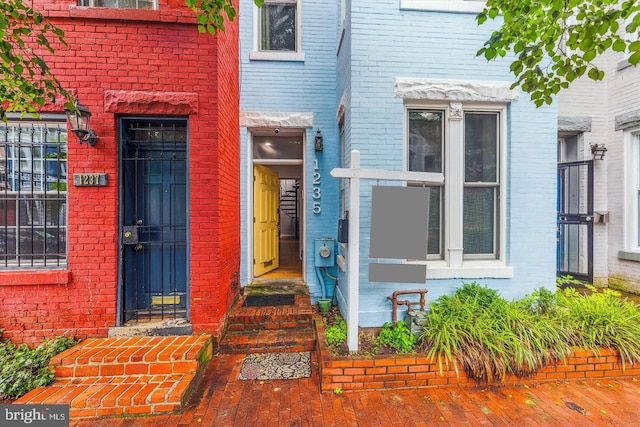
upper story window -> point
(278, 33)
(33, 194)
(472, 6)
(121, 4)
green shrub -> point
(602, 319)
(398, 336)
(23, 368)
(336, 332)
(490, 336)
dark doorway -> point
(154, 208)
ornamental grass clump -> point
(602, 319)
(490, 336)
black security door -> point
(575, 220)
(154, 218)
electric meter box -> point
(324, 252)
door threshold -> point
(152, 327)
(276, 286)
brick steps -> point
(287, 328)
(268, 341)
(125, 376)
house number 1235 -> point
(317, 193)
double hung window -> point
(464, 145)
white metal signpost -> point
(354, 174)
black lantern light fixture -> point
(598, 151)
(319, 141)
(79, 121)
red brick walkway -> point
(222, 400)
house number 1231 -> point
(317, 193)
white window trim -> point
(631, 182)
(259, 55)
(453, 264)
(467, 6)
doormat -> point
(276, 366)
(268, 300)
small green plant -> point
(541, 301)
(398, 336)
(336, 332)
(337, 391)
(23, 368)
(567, 279)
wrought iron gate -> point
(575, 220)
(154, 218)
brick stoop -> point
(287, 328)
(125, 376)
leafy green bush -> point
(23, 368)
(490, 336)
(398, 337)
(336, 332)
(602, 319)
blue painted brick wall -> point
(382, 42)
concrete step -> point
(125, 376)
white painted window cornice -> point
(256, 119)
(467, 6)
(454, 90)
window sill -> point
(35, 277)
(622, 65)
(276, 56)
(114, 13)
(629, 256)
(443, 5)
(469, 270)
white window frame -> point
(92, 3)
(260, 55)
(453, 264)
(632, 189)
(468, 6)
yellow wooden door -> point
(266, 195)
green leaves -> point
(554, 42)
(211, 13)
(26, 82)
(22, 368)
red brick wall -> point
(141, 53)
(416, 370)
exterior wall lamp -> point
(598, 151)
(79, 121)
(319, 141)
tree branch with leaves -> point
(27, 82)
(556, 41)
